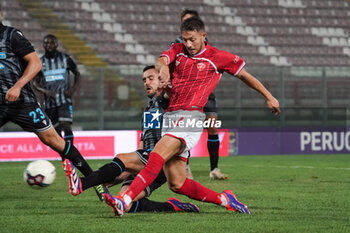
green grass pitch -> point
(295, 193)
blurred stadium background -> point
(300, 49)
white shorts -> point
(189, 131)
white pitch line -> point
(306, 167)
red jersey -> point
(193, 78)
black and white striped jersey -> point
(56, 77)
(13, 47)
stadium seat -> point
(265, 33)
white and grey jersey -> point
(150, 137)
(56, 78)
(13, 47)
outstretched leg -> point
(180, 184)
(175, 171)
(66, 150)
(143, 204)
(105, 174)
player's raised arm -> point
(163, 71)
(33, 67)
(255, 84)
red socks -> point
(190, 188)
(196, 191)
(146, 176)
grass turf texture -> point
(284, 194)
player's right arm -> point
(163, 71)
(234, 65)
(255, 84)
(23, 49)
(162, 66)
(33, 67)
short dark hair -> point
(189, 12)
(50, 36)
(148, 68)
(192, 24)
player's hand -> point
(274, 105)
(164, 77)
(12, 94)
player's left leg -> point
(178, 183)
(66, 127)
(142, 204)
(107, 174)
(65, 149)
(174, 170)
(39, 123)
(213, 145)
(52, 113)
(31, 117)
(65, 121)
(171, 205)
(166, 147)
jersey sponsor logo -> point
(151, 119)
(201, 66)
(2, 66)
(177, 63)
(52, 78)
(2, 55)
(55, 71)
(54, 75)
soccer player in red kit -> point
(194, 69)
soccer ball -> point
(39, 173)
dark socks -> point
(71, 153)
(68, 136)
(146, 205)
(213, 148)
(105, 174)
